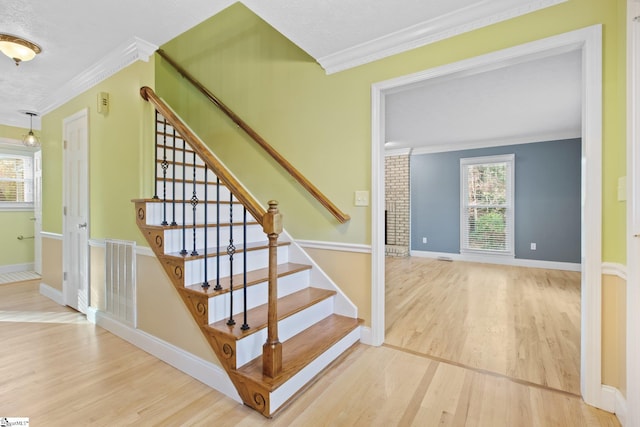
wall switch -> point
(533, 246)
(361, 198)
(424, 240)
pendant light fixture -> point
(18, 48)
(30, 140)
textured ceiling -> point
(76, 34)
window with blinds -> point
(16, 181)
(486, 214)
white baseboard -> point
(335, 246)
(614, 269)
(366, 335)
(206, 372)
(613, 401)
(51, 293)
(518, 262)
(16, 268)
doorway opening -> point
(588, 42)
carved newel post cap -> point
(272, 220)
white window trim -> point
(509, 159)
(12, 147)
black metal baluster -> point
(165, 165)
(231, 250)
(218, 287)
(205, 284)
(184, 198)
(194, 204)
(155, 160)
(244, 326)
(173, 181)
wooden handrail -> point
(324, 201)
(252, 205)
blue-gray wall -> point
(547, 199)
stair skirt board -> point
(250, 347)
(282, 394)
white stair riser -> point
(156, 214)
(173, 238)
(256, 295)
(194, 270)
(180, 192)
(250, 347)
(283, 393)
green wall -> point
(322, 123)
(120, 155)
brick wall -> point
(397, 204)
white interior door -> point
(37, 211)
(76, 211)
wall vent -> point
(120, 281)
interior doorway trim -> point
(589, 42)
(633, 213)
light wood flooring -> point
(520, 322)
(59, 370)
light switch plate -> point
(361, 198)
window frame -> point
(10, 149)
(509, 159)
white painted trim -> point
(51, 293)
(398, 152)
(139, 250)
(613, 401)
(633, 215)
(608, 401)
(97, 243)
(499, 260)
(366, 336)
(614, 269)
(480, 14)
(472, 145)
(92, 314)
(126, 54)
(206, 372)
(48, 235)
(15, 268)
(335, 246)
(589, 42)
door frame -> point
(84, 113)
(633, 214)
(37, 211)
(589, 42)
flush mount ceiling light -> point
(30, 140)
(18, 49)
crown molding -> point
(479, 15)
(126, 54)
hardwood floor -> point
(69, 372)
(520, 322)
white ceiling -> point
(75, 35)
(532, 101)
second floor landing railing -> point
(296, 174)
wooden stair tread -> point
(257, 316)
(302, 349)
(213, 252)
(253, 277)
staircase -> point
(274, 320)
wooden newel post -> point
(272, 349)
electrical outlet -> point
(533, 246)
(424, 240)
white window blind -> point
(486, 214)
(16, 181)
